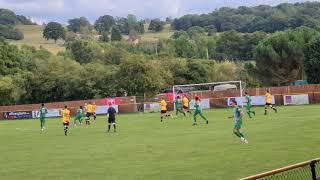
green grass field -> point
(143, 148)
(33, 37)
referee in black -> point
(111, 117)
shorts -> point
(248, 107)
(268, 104)
(238, 125)
(111, 120)
(163, 111)
(185, 107)
(89, 114)
(66, 123)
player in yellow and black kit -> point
(164, 109)
(269, 103)
(94, 109)
(90, 112)
(65, 119)
(185, 105)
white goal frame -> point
(241, 88)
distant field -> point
(143, 148)
(165, 34)
(33, 37)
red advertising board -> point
(113, 101)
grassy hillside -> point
(165, 34)
(33, 37)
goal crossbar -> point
(204, 84)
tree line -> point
(8, 20)
(251, 19)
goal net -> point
(213, 94)
(301, 171)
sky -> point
(62, 10)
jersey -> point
(79, 112)
(163, 105)
(112, 112)
(43, 111)
(249, 100)
(197, 105)
(65, 116)
(185, 102)
(268, 98)
(178, 103)
(94, 108)
(237, 114)
(90, 108)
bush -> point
(8, 32)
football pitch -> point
(144, 148)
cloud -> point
(62, 10)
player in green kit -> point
(42, 115)
(198, 111)
(178, 105)
(237, 116)
(79, 116)
(249, 105)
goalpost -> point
(209, 88)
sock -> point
(65, 130)
(109, 126)
(249, 114)
(237, 134)
(265, 110)
(161, 118)
(114, 127)
(94, 117)
(241, 134)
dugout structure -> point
(308, 170)
(192, 90)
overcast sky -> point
(62, 10)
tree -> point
(104, 23)
(279, 59)
(132, 21)
(312, 61)
(54, 31)
(229, 44)
(8, 17)
(77, 24)
(156, 25)
(9, 32)
(115, 34)
(10, 61)
(184, 47)
(138, 76)
(104, 37)
(84, 51)
(195, 31)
